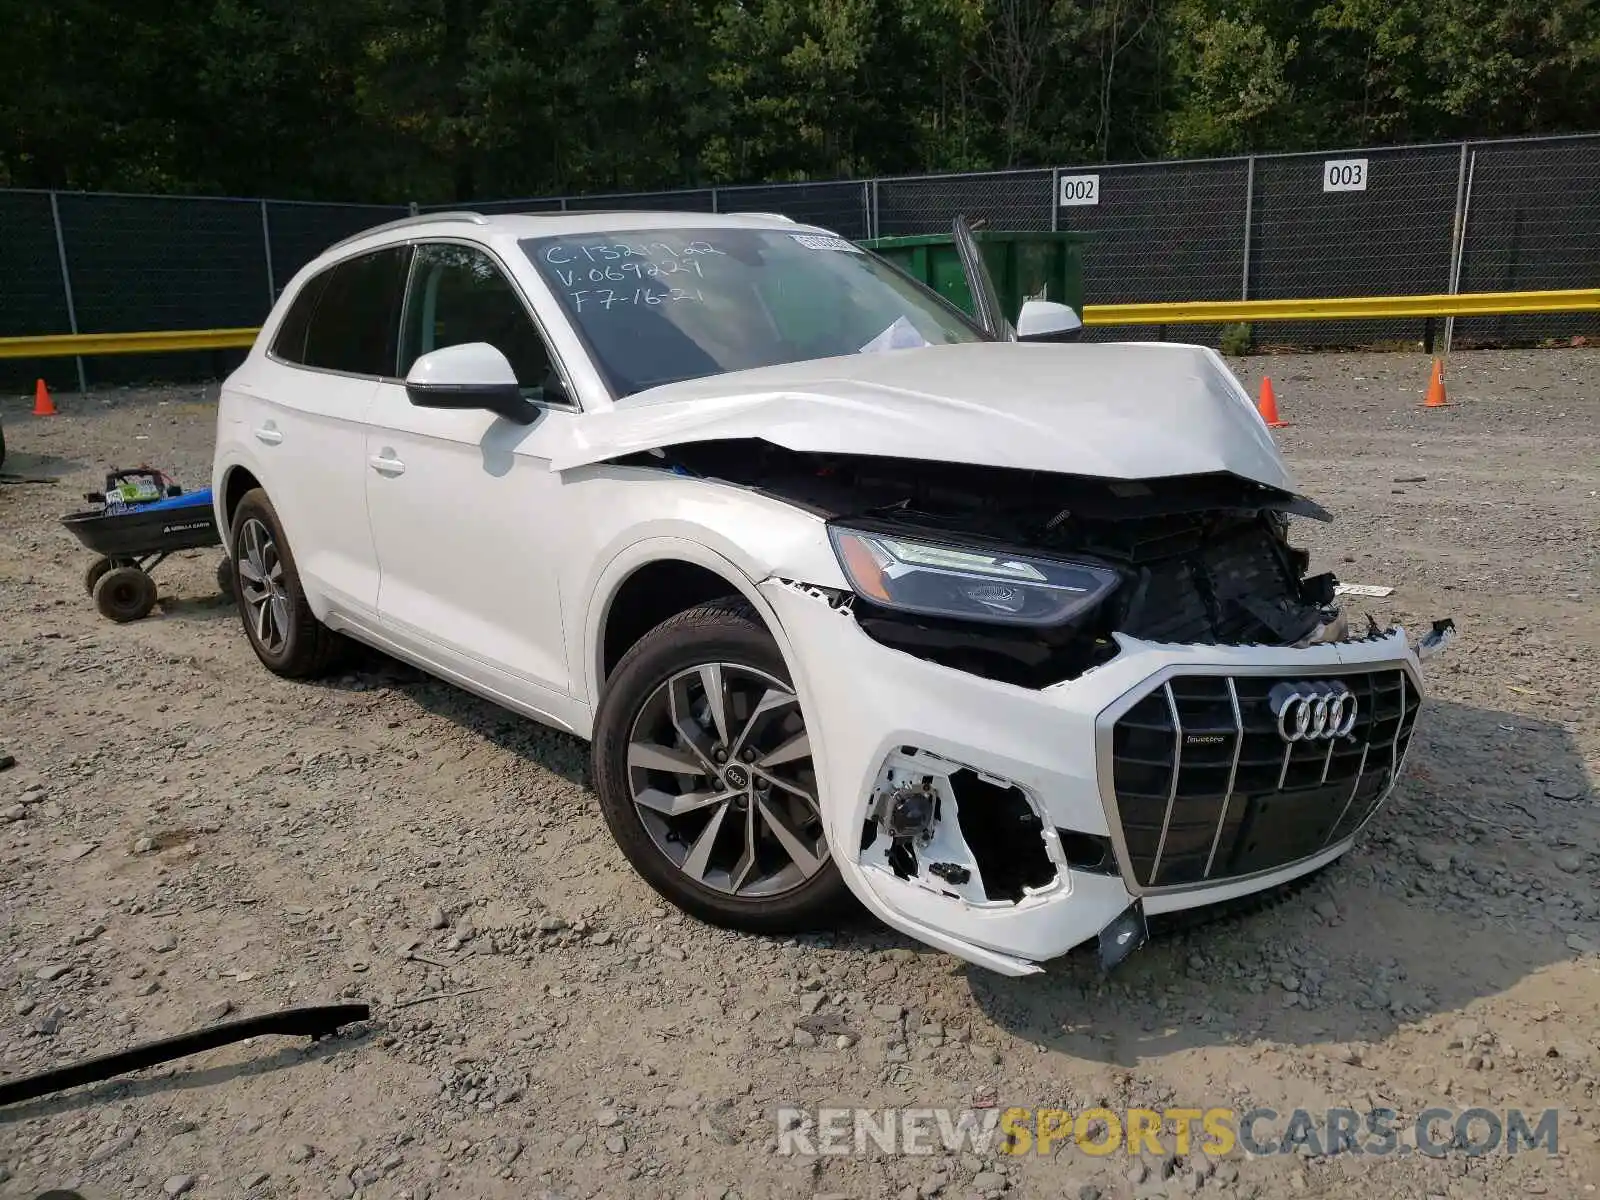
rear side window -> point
(290, 343)
(354, 325)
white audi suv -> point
(852, 593)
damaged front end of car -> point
(1026, 577)
(1041, 581)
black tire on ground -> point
(721, 631)
(94, 571)
(308, 647)
(125, 594)
(225, 582)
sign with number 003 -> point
(1344, 175)
(1080, 189)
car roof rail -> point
(772, 216)
(473, 218)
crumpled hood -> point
(1112, 410)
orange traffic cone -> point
(1436, 397)
(43, 406)
(1268, 405)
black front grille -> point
(1207, 788)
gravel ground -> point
(185, 836)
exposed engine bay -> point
(1203, 559)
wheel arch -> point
(685, 563)
(236, 481)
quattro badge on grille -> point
(1309, 712)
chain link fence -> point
(32, 300)
(1532, 220)
(1393, 237)
(1161, 232)
(141, 262)
(928, 204)
(1505, 215)
(845, 208)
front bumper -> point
(882, 719)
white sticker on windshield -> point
(812, 241)
(902, 335)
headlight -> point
(966, 583)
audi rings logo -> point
(1309, 712)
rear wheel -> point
(283, 631)
(96, 570)
(703, 766)
(124, 594)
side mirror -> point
(1047, 321)
(471, 375)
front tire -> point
(283, 631)
(703, 767)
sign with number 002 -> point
(1080, 189)
(1344, 175)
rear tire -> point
(95, 572)
(758, 860)
(124, 594)
(282, 629)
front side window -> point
(660, 305)
(458, 294)
(357, 314)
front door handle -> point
(385, 464)
(269, 435)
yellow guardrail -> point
(1197, 312)
(66, 345)
(1464, 304)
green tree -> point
(459, 100)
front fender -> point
(739, 535)
(641, 553)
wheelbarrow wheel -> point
(96, 570)
(225, 577)
(125, 594)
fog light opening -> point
(957, 831)
(1004, 833)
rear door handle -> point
(269, 435)
(384, 464)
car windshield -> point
(660, 305)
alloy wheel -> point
(261, 586)
(720, 773)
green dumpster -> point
(1026, 265)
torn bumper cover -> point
(1008, 825)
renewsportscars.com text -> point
(1215, 1132)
